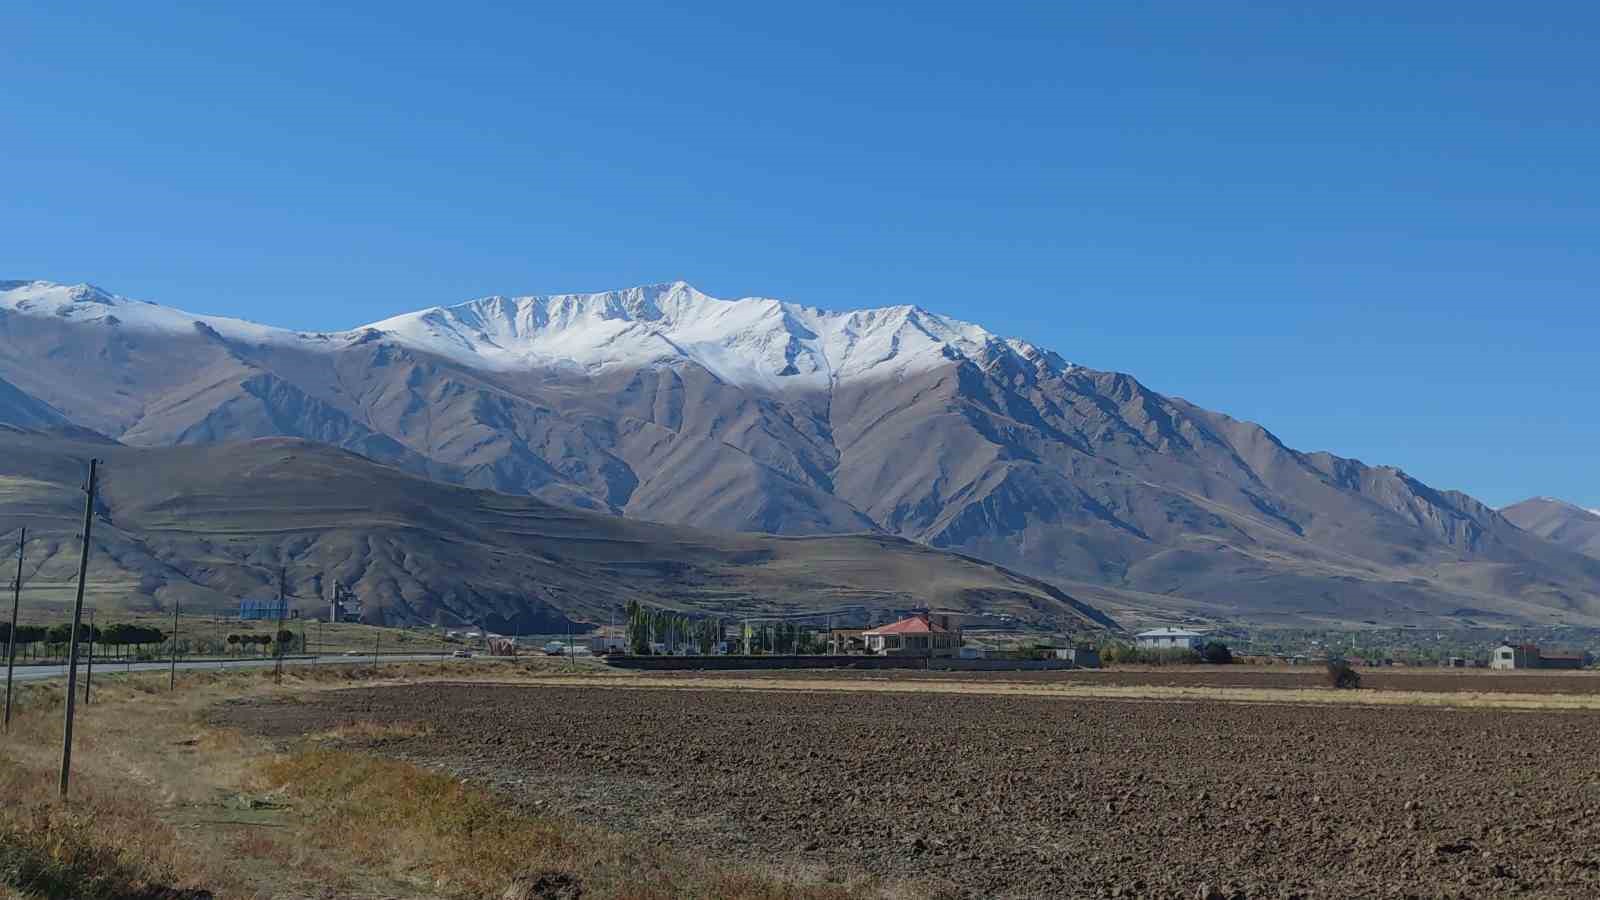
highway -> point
(113, 667)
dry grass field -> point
(168, 805)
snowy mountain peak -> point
(753, 341)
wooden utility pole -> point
(277, 668)
(172, 672)
(88, 675)
(11, 640)
(77, 619)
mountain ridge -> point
(897, 421)
(1558, 521)
(645, 324)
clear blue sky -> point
(1372, 227)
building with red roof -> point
(919, 634)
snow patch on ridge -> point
(753, 341)
(86, 303)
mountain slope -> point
(205, 526)
(661, 403)
(1560, 522)
(24, 411)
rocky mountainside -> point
(665, 404)
(1564, 523)
(24, 411)
(206, 526)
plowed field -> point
(1032, 797)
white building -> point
(1170, 639)
(917, 635)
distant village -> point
(926, 634)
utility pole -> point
(277, 635)
(376, 642)
(77, 619)
(88, 675)
(172, 674)
(11, 640)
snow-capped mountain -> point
(749, 342)
(665, 404)
(753, 341)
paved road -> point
(112, 667)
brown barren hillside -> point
(1559, 522)
(208, 525)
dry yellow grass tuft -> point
(164, 804)
(107, 844)
(459, 839)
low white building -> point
(1170, 639)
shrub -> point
(1216, 653)
(1342, 676)
(1122, 653)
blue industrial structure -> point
(257, 610)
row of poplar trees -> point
(118, 637)
(673, 630)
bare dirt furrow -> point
(1033, 797)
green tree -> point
(638, 629)
(706, 633)
(30, 636)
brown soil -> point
(1241, 676)
(1025, 797)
